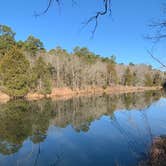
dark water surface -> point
(87, 131)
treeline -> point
(26, 66)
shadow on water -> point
(22, 120)
(164, 86)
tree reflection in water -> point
(21, 120)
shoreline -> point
(67, 93)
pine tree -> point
(6, 39)
(14, 68)
(33, 45)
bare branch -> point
(50, 2)
(107, 9)
(156, 59)
(159, 27)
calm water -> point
(86, 131)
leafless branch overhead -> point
(106, 10)
(156, 59)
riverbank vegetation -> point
(26, 66)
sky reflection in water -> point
(97, 130)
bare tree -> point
(159, 33)
(158, 26)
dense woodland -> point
(26, 66)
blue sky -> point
(122, 34)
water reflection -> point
(23, 123)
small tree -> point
(134, 79)
(42, 76)
(157, 80)
(128, 77)
(148, 81)
(111, 71)
(14, 69)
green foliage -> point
(58, 51)
(20, 120)
(42, 76)
(6, 31)
(131, 64)
(33, 45)
(20, 44)
(85, 54)
(6, 39)
(128, 99)
(52, 51)
(14, 73)
(128, 77)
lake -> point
(106, 130)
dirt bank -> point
(4, 97)
(66, 93)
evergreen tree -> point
(14, 68)
(32, 45)
(128, 77)
(85, 54)
(6, 39)
(42, 76)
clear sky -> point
(122, 34)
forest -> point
(26, 66)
